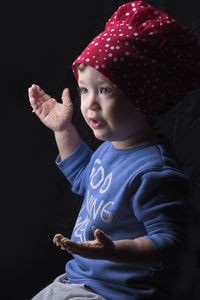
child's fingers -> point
(65, 94)
(77, 248)
(37, 97)
(35, 92)
(34, 89)
(102, 237)
(70, 244)
(66, 99)
(80, 248)
(106, 241)
(57, 239)
(31, 93)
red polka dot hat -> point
(147, 55)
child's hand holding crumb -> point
(57, 116)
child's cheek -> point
(83, 111)
(82, 107)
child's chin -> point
(100, 137)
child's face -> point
(106, 110)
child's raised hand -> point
(57, 116)
(101, 248)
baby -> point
(130, 234)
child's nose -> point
(93, 102)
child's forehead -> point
(89, 73)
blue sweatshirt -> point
(128, 193)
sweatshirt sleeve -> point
(160, 203)
(74, 167)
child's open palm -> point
(56, 116)
(100, 248)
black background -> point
(39, 42)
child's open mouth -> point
(96, 124)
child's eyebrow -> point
(99, 81)
(81, 82)
(104, 82)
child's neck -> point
(134, 141)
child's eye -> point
(104, 90)
(82, 90)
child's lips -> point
(96, 124)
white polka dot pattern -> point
(148, 55)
